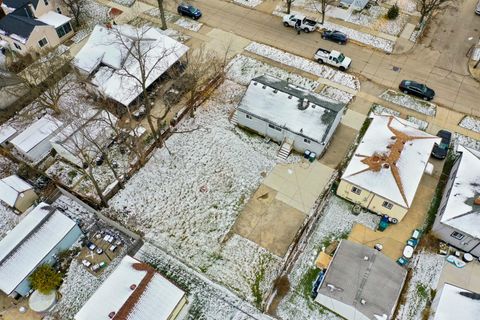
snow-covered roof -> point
(36, 133)
(358, 273)
(156, 301)
(11, 187)
(54, 19)
(291, 107)
(29, 242)
(6, 133)
(456, 303)
(460, 211)
(110, 47)
(390, 159)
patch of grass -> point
(72, 174)
(307, 281)
(422, 291)
(256, 290)
(437, 198)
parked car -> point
(333, 58)
(440, 151)
(91, 246)
(189, 11)
(417, 89)
(112, 248)
(86, 263)
(335, 36)
(305, 24)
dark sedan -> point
(440, 150)
(189, 11)
(417, 89)
(335, 36)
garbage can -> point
(312, 156)
(306, 154)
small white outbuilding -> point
(17, 193)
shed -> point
(17, 193)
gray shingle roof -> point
(19, 25)
(19, 3)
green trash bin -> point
(312, 156)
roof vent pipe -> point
(365, 258)
(363, 301)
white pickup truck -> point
(306, 25)
(334, 58)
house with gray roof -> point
(361, 283)
(296, 118)
(458, 217)
(30, 25)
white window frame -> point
(387, 205)
(356, 190)
(457, 235)
(46, 42)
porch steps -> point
(285, 150)
(234, 118)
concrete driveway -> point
(467, 277)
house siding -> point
(261, 126)
(70, 238)
(370, 201)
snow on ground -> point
(155, 13)
(188, 196)
(470, 123)
(410, 102)
(242, 69)
(337, 94)
(374, 18)
(189, 24)
(249, 3)
(281, 10)
(75, 211)
(8, 220)
(78, 286)
(2, 60)
(303, 64)
(466, 141)
(7, 167)
(365, 38)
(379, 109)
(126, 3)
(426, 270)
(93, 13)
(409, 6)
(207, 300)
(336, 222)
(421, 124)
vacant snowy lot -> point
(242, 69)
(427, 268)
(303, 64)
(336, 222)
(374, 18)
(466, 141)
(470, 123)
(189, 194)
(379, 109)
(410, 102)
(421, 124)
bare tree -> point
(289, 5)
(429, 7)
(162, 14)
(76, 8)
(322, 6)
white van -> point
(477, 10)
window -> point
(273, 127)
(63, 29)
(43, 42)
(248, 116)
(387, 205)
(59, 10)
(17, 46)
(306, 140)
(356, 190)
(457, 235)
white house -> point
(33, 143)
(34, 241)
(458, 217)
(134, 291)
(17, 193)
(78, 140)
(6, 133)
(454, 303)
(288, 114)
(361, 283)
(112, 63)
(387, 166)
